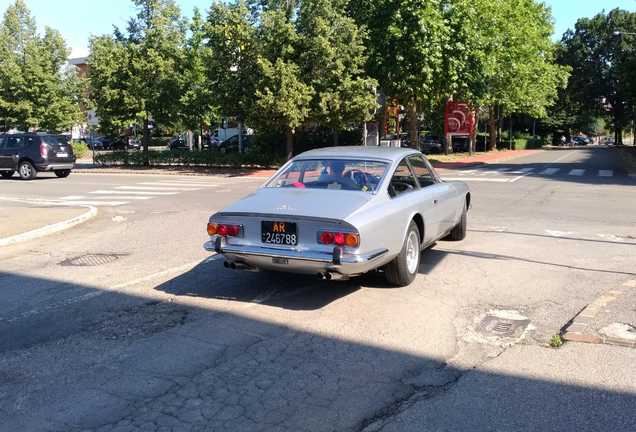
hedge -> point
(80, 149)
(190, 158)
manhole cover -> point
(91, 260)
(506, 327)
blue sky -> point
(78, 19)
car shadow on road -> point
(97, 370)
(210, 279)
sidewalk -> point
(450, 161)
(22, 221)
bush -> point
(80, 149)
(256, 157)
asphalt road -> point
(163, 337)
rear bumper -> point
(55, 166)
(294, 261)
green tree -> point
(36, 92)
(283, 98)
(233, 71)
(134, 75)
(520, 72)
(198, 109)
(600, 52)
(332, 58)
(406, 46)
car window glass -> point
(15, 142)
(421, 170)
(341, 174)
(402, 180)
(2, 141)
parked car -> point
(231, 145)
(431, 144)
(97, 143)
(180, 142)
(580, 140)
(343, 211)
(30, 153)
(123, 143)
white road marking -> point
(92, 203)
(103, 290)
(73, 197)
(120, 197)
(555, 233)
(549, 171)
(114, 192)
(567, 155)
(179, 184)
(605, 173)
(576, 172)
(611, 237)
(477, 179)
(155, 188)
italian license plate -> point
(279, 233)
(62, 154)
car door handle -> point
(434, 201)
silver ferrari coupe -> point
(343, 211)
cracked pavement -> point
(165, 339)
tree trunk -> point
(146, 141)
(619, 135)
(189, 137)
(412, 121)
(473, 134)
(289, 148)
(240, 137)
(336, 138)
(492, 128)
(448, 144)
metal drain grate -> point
(91, 260)
(506, 327)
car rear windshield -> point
(338, 174)
(51, 140)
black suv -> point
(29, 153)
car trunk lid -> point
(314, 203)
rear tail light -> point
(225, 230)
(44, 150)
(337, 238)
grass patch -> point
(556, 341)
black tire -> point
(459, 231)
(7, 174)
(27, 170)
(63, 173)
(397, 271)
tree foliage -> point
(601, 51)
(36, 90)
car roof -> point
(359, 152)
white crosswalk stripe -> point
(126, 192)
(93, 203)
(577, 172)
(606, 173)
(549, 171)
(117, 195)
(154, 188)
(179, 184)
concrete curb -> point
(49, 229)
(581, 327)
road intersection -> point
(160, 336)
